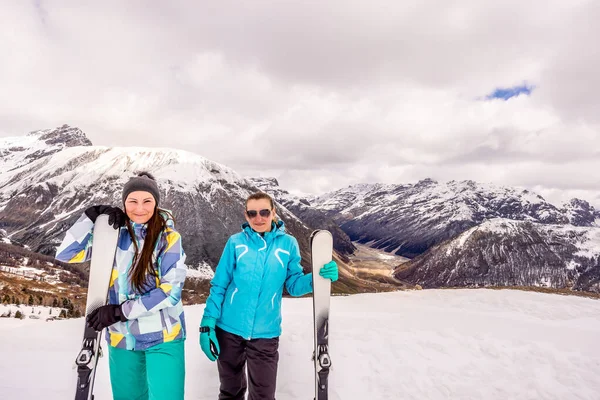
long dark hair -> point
(142, 263)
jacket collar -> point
(140, 230)
(276, 230)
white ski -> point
(104, 246)
(321, 245)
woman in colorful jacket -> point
(144, 315)
(242, 316)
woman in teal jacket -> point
(242, 317)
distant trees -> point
(71, 312)
(32, 291)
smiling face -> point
(139, 206)
(260, 220)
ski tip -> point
(314, 234)
(319, 232)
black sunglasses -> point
(263, 213)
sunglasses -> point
(263, 213)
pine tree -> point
(19, 315)
(30, 301)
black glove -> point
(105, 316)
(116, 217)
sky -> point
(427, 345)
(322, 94)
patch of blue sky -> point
(507, 93)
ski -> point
(104, 246)
(321, 246)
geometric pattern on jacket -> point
(154, 316)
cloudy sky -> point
(321, 94)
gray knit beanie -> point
(144, 181)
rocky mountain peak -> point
(579, 212)
(66, 135)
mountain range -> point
(49, 177)
(457, 233)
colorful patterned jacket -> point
(155, 316)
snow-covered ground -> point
(430, 344)
(32, 312)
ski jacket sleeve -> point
(171, 277)
(221, 281)
(76, 247)
(297, 283)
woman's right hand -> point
(116, 217)
(208, 338)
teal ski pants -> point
(157, 373)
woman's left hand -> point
(330, 271)
(105, 316)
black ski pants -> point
(259, 355)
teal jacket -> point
(246, 291)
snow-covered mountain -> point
(502, 252)
(581, 213)
(49, 177)
(409, 219)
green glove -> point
(208, 338)
(330, 271)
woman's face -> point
(139, 206)
(260, 215)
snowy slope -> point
(431, 344)
(73, 168)
(459, 199)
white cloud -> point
(320, 94)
